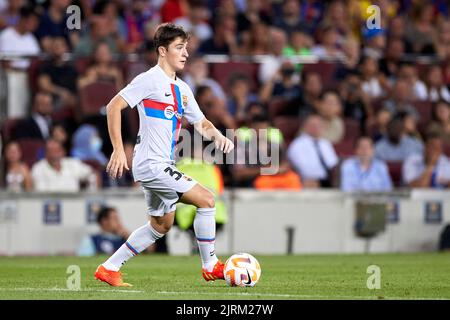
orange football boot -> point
(216, 274)
(113, 278)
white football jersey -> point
(161, 102)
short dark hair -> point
(201, 91)
(327, 92)
(432, 135)
(237, 77)
(27, 11)
(167, 33)
(363, 137)
(104, 213)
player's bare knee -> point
(162, 228)
(160, 225)
(208, 200)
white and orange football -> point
(242, 269)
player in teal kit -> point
(162, 100)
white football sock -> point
(205, 232)
(138, 241)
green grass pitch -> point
(403, 276)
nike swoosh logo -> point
(249, 278)
(167, 94)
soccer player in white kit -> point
(162, 100)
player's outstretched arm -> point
(118, 160)
(209, 131)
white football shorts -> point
(164, 190)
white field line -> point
(246, 294)
(242, 294)
(70, 290)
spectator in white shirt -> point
(312, 156)
(17, 41)
(364, 172)
(270, 64)
(408, 72)
(371, 78)
(56, 173)
(430, 169)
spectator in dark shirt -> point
(38, 125)
(390, 63)
(253, 14)
(58, 76)
(356, 103)
(290, 19)
(111, 236)
(240, 96)
(309, 100)
(283, 85)
(224, 38)
(53, 24)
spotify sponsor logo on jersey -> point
(169, 112)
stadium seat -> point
(289, 127)
(95, 96)
(63, 114)
(395, 171)
(222, 72)
(344, 148)
(82, 63)
(352, 129)
(326, 70)
(31, 150)
(8, 128)
(132, 69)
(95, 165)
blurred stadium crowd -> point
(350, 107)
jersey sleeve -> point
(192, 112)
(135, 91)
